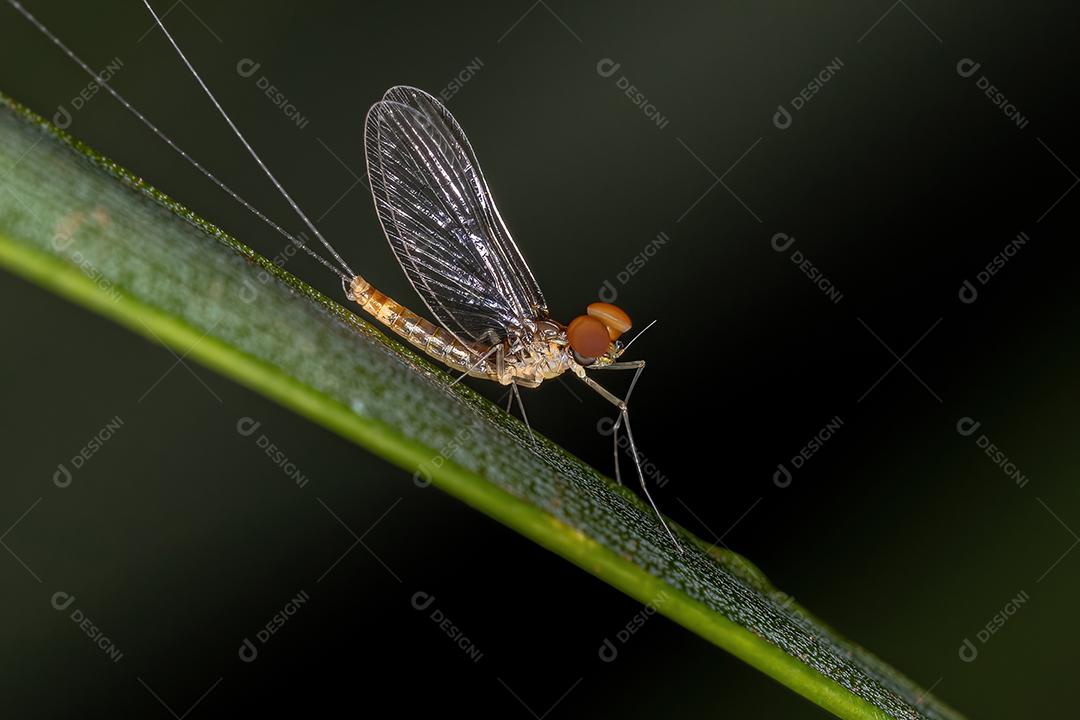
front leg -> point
(624, 418)
(638, 366)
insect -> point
(457, 252)
(446, 232)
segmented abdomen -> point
(419, 333)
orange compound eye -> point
(614, 318)
(588, 336)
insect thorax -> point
(540, 354)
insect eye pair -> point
(591, 335)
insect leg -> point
(500, 366)
(621, 405)
(641, 476)
(639, 366)
(478, 363)
(624, 417)
(500, 356)
(615, 448)
(524, 417)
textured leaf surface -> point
(79, 225)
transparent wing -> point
(441, 220)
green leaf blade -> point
(81, 226)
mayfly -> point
(439, 216)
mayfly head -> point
(594, 337)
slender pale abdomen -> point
(528, 368)
(419, 333)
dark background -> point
(899, 180)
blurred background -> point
(808, 199)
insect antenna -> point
(640, 333)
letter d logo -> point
(421, 478)
(62, 600)
(62, 477)
(248, 293)
(62, 118)
(607, 67)
(248, 652)
(246, 426)
(967, 67)
(422, 600)
(247, 67)
(781, 118)
(782, 477)
(967, 426)
(607, 292)
(968, 294)
(781, 241)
